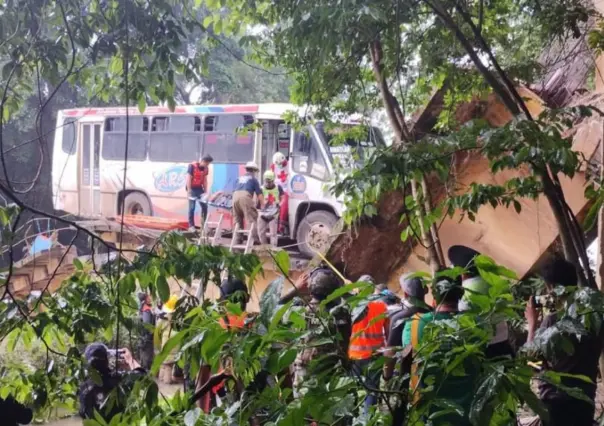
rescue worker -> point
(165, 331)
(413, 303)
(391, 300)
(147, 320)
(473, 283)
(317, 359)
(244, 206)
(234, 291)
(279, 168)
(270, 211)
(459, 389)
(197, 186)
(369, 335)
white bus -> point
(88, 161)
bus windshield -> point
(350, 144)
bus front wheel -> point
(314, 232)
(136, 203)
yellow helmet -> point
(269, 175)
(170, 305)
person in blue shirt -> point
(244, 206)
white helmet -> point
(251, 165)
(278, 158)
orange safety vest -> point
(198, 177)
(368, 333)
(233, 322)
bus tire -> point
(314, 232)
(136, 203)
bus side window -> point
(225, 138)
(69, 143)
(175, 139)
(307, 158)
(114, 138)
(159, 124)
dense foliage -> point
(341, 56)
(89, 306)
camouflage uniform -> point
(313, 360)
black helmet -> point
(231, 286)
(463, 256)
(322, 282)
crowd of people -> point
(265, 206)
(386, 327)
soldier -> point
(95, 390)
(147, 320)
(321, 282)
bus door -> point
(90, 173)
(275, 138)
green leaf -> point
(163, 289)
(151, 395)
(591, 218)
(95, 376)
(270, 300)
(142, 103)
(370, 210)
(517, 206)
(348, 288)
(286, 359)
(218, 25)
(171, 103)
(283, 262)
(78, 264)
(207, 21)
(279, 315)
(172, 343)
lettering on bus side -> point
(171, 179)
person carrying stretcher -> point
(269, 214)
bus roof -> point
(268, 108)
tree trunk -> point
(433, 228)
(429, 237)
(599, 262)
(425, 234)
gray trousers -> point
(270, 226)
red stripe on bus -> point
(121, 111)
(241, 108)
